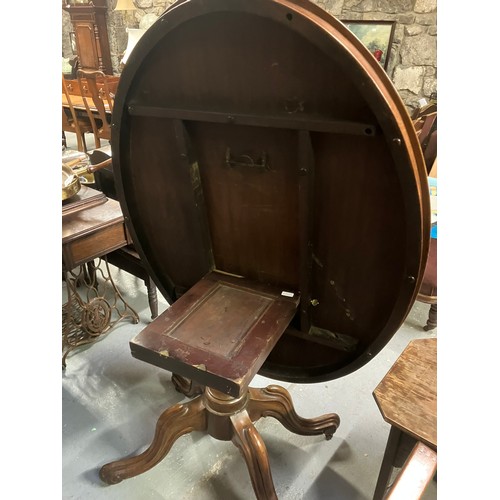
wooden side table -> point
(92, 226)
(407, 399)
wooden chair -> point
(73, 123)
(125, 258)
(428, 289)
(426, 127)
(98, 101)
(425, 123)
(424, 110)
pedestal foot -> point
(253, 449)
(275, 401)
(173, 423)
(224, 418)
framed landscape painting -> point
(376, 36)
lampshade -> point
(133, 37)
(147, 21)
(125, 5)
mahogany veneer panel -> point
(287, 158)
(218, 333)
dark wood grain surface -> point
(287, 158)
(218, 333)
(407, 395)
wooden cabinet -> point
(88, 18)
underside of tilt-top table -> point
(274, 187)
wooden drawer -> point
(94, 245)
(92, 226)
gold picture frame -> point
(376, 36)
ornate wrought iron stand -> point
(93, 307)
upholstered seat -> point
(428, 288)
(429, 282)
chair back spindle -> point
(73, 123)
(98, 101)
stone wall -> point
(412, 62)
(119, 21)
(413, 59)
(66, 30)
